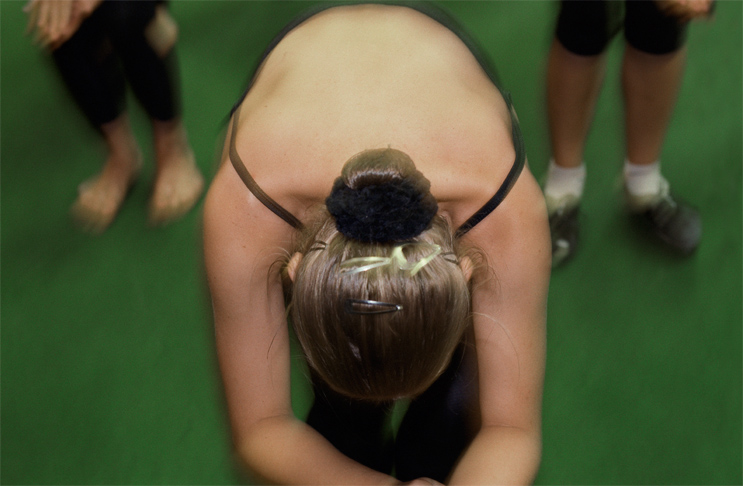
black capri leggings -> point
(585, 27)
(110, 48)
(437, 426)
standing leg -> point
(144, 35)
(95, 81)
(573, 85)
(650, 85)
(652, 73)
(575, 73)
(100, 198)
(178, 182)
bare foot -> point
(100, 197)
(177, 189)
(178, 182)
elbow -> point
(518, 451)
(526, 447)
(532, 452)
(255, 447)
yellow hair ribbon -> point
(397, 258)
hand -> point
(423, 482)
(86, 7)
(686, 10)
(55, 21)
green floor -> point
(108, 367)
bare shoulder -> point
(515, 241)
(242, 238)
(517, 230)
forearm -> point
(500, 455)
(284, 450)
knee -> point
(162, 32)
(650, 30)
(147, 20)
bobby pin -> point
(318, 246)
(450, 257)
(356, 306)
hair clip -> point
(362, 264)
(354, 306)
(318, 246)
(450, 257)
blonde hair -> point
(388, 355)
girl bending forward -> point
(375, 171)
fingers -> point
(85, 7)
(423, 482)
(32, 10)
(686, 10)
(59, 20)
(52, 21)
(42, 22)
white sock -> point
(562, 181)
(642, 180)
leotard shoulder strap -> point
(509, 181)
(242, 171)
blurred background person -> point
(652, 70)
(97, 47)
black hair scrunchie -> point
(381, 213)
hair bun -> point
(394, 210)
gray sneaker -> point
(677, 224)
(564, 228)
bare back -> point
(355, 78)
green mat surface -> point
(108, 367)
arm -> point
(242, 241)
(510, 314)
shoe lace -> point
(664, 210)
